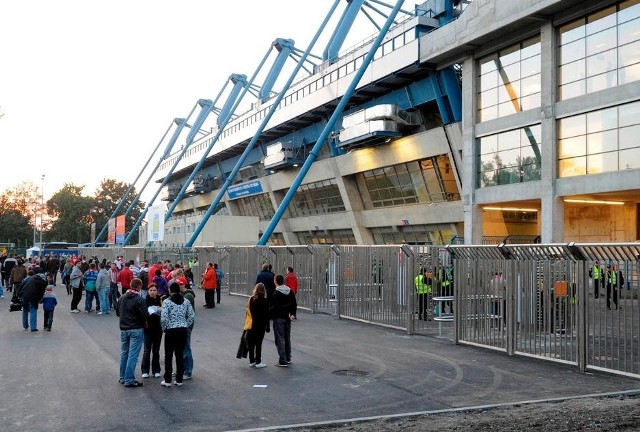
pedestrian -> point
(423, 284)
(152, 334)
(176, 317)
(597, 275)
(114, 294)
(265, 277)
(209, 284)
(17, 275)
(89, 279)
(256, 324)
(31, 292)
(7, 266)
(144, 277)
(615, 280)
(66, 274)
(133, 314)
(291, 280)
(161, 283)
(282, 307)
(75, 279)
(219, 277)
(103, 289)
(49, 303)
(125, 276)
(188, 294)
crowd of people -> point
(155, 305)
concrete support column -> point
(472, 213)
(551, 218)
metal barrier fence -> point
(541, 300)
(534, 300)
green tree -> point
(107, 197)
(70, 211)
(15, 227)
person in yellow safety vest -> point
(597, 275)
(614, 281)
(423, 284)
(445, 276)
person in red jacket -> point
(125, 277)
(209, 284)
(291, 280)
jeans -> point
(29, 320)
(77, 296)
(174, 340)
(114, 295)
(130, 344)
(88, 300)
(1, 291)
(103, 296)
(282, 333)
(188, 355)
(48, 319)
(151, 354)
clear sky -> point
(88, 87)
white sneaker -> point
(178, 384)
(101, 313)
(145, 375)
(261, 365)
(252, 364)
(165, 384)
(157, 375)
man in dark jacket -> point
(52, 267)
(266, 278)
(282, 307)
(133, 313)
(31, 293)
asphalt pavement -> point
(67, 379)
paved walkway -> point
(67, 379)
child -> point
(49, 303)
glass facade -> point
(599, 141)
(599, 51)
(339, 236)
(413, 234)
(425, 181)
(256, 205)
(509, 80)
(316, 198)
(510, 157)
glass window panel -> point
(609, 161)
(601, 63)
(628, 10)
(602, 142)
(572, 51)
(489, 113)
(510, 158)
(530, 66)
(509, 140)
(509, 91)
(507, 108)
(570, 147)
(488, 98)
(530, 48)
(602, 41)
(572, 90)
(572, 31)
(601, 20)
(511, 73)
(489, 80)
(629, 137)
(572, 167)
(629, 32)
(629, 114)
(630, 159)
(489, 144)
(601, 82)
(409, 36)
(488, 64)
(629, 54)
(629, 74)
(572, 72)
(602, 120)
(529, 102)
(510, 55)
(398, 41)
(595, 163)
(530, 85)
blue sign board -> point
(244, 189)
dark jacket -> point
(153, 323)
(132, 311)
(266, 277)
(34, 288)
(283, 303)
(259, 308)
(191, 296)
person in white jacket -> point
(176, 317)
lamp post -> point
(41, 209)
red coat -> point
(125, 277)
(291, 280)
(209, 279)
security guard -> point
(423, 284)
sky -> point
(89, 87)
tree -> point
(107, 197)
(71, 214)
(14, 227)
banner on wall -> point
(111, 231)
(155, 223)
(120, 229)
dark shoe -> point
(134, 384)
(282, 363)
(34, 330)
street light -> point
(41, 210)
